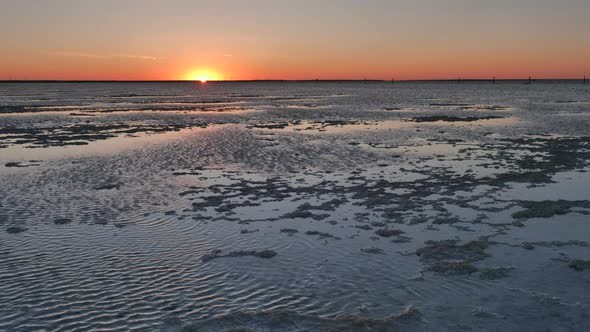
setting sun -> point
(202, 76)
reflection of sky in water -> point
(98, 147)
(569, 186)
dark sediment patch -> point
(14, 164)
(450, 105)
(309, 125)
(373, 250)
(449, 258)
(289, 231)
(401, 239)
(556, 244)
(579, 264)
(294, 98)
(6, 109)
(15, 229)
(244, 253)
(305, 214)
(281, 125)
(108, 186)
(494, 273)
(449, 249)
(547, 209)
(538, 158)
(62, 221)
(569, 101)
(180, 173)
(330, 205)
(485, 107)
(247, 231)
(23, 164)
(364, 227)
(446, 118)
(388, 232)
(322, 235)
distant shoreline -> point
(511, 80)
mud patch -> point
(373, 250)
(449, 258)
(548, 209)
(388, 232)
(579, 264)
(217, 254)
(23, 164)
(15, 229)
(494, 273)
(289, 231)
(62, 221)
(446, 118)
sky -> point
(293, 39)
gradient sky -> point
(296, 39)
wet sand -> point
(294, 206)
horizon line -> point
(458, 79)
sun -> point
(202, 76)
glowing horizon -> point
(293, 40)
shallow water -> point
(413, 206)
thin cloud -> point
(130, 56)
(77, 55)
(101, 56)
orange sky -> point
(304, 39)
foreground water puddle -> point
(19, 150)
